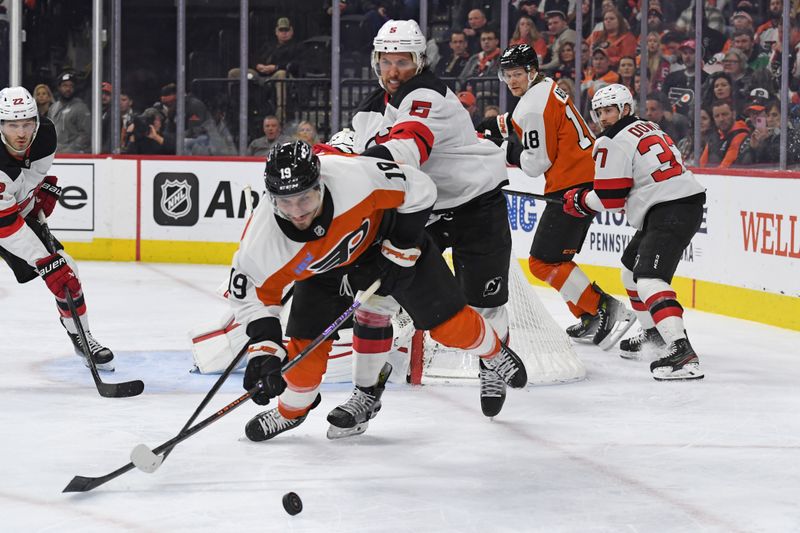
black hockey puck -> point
(292, 503)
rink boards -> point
(744, 261)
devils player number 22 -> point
(237, 285)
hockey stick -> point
(148, 460)
(248, 202)
(107, 390)
(548, 199)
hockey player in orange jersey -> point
(548, 136)
(337, 223)
(639, 168)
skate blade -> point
(690, 371)
(335, 432)
(631, 356)
(621, 326)
(103, 367)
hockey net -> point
(542, 344)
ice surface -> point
(616, 452)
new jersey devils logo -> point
(342, 251)
(492, 286)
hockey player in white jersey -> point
(415, 119)
(639, 169)
(28, 151)
(338, 223)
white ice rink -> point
(618, 452)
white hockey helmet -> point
(16, 103)
(399, 36)
(344, 141)
(615, 94)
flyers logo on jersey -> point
(341, 253)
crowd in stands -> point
(740, 76)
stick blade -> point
(121, 390)
(81, 484)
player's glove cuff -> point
(575, 203)
(404, 257)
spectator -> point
(685, 107)
(146, 135)
(560, 33)
(452, 65)
(476, 23)
(599, 76)
(774, 17)
(615, 37)
(681, 81)
(627, 72)
(44, 99)
(763, 146)
(307, 132)
(658, 67)
(220, 138)
(469, 102)
(198, 120)
(105, 117)
(735, 65)
(723, 149)
(272, 128)
(676, 126)
(741, 20)
(126, 116)
(655, 20)
(745, 41)
(490, 111)
(277, 61)
(485, 63)
(565, 63)
(72, 118)
(530, 8)
(527, 33)
(564, 6)
(720, 89)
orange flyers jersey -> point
(556, 140)
(273, 253)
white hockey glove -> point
(265, 359)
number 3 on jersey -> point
(665, 155)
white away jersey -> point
(637, 165)
(273, 253)
(424, 124)
(20, 180)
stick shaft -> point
(548, 199)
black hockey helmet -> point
(291, 169)
(519, 55)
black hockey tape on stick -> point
(548, 199)
(107, 390)
(85, 484)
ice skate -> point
(509, 367)
(680, 363)
(646, 341)
(103, 357)
(614, 319)
(493, 391)
(272, 423)
(353, 416)
(584, 330)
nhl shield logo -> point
(176, 200)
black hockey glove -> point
(494, 128)
(513, 149)
(266, 360)
(396, 267)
